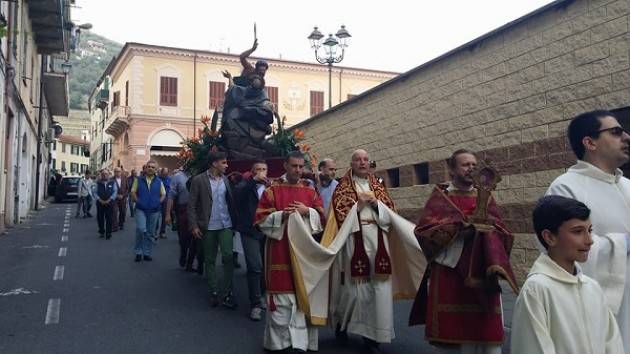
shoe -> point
(256, 314)
(229, 302)
(295, 351)
(214, 299)
(89, 215)
(162, 235)
(154, 240)
(121, 228)
(138, 258)
(341, 336)
(371, 346)
(114, 230)
(101, 235)
(147, 258)
(108, 237)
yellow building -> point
(68, 155)
(151, 97)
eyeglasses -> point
(616, 131)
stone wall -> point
(508, 95)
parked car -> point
(67, 189)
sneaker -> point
(214, 299)
(138, 258)
(162, 235)
(154, 240)
(256, 314)
(147, 258)
(89, 215)
(101, 235)
(229, 302)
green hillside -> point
(88, 64)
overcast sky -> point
(392, 35)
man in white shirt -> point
(85, 194)
(601, 145)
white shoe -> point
(256, 314)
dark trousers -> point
(187, 244)
(119, 213)
(254, 249)
(162, 227)
(132, 207)
(104, 216)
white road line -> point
(59, 271)
(52, 313)
(65, 229)
(63, 251)
(64, 238)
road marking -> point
(63, 251)
(65, 229)
(52, 313)
(19, 291)
(64, 238)
(35, 246)
(66, 225)
(59, 271)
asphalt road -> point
(64, 290)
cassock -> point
(608, 197)
(459, 300)
(558, 312)
(380, 259)
(288, 322)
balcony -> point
(118, 121)
(49, 19)
(56, 90)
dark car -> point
(68, 188)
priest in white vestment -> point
(602, 146)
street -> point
(64, 290)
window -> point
(168, 91)
(63, 166)
(63, 147)
(84, 168)
(393, 174)
(317, 102)
(422, 173)
(73, 150)
(54, 164)
(127, 93)
(217, 94)
(54, 145)
(74, 167)
(272, 92)
(116, 100)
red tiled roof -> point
(73, 140)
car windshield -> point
(71, 181)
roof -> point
(72, 139)
(467, 46)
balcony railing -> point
(118, 121)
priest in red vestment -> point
(288, 321)
(459, 300)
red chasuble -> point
(278, 271)
(462, 304)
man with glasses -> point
(601, 146)
(148, 192)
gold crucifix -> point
(485, 180)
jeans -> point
(83, 204)
(104, 216)
(254, 248)
(212, 239)
(132, 207)
(145, 231)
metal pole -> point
(329, 84)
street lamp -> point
(331, 49)
(65, 67)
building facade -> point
(509, 95)
(150, 98)
(33, 90)
(68, 155)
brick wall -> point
(509, 96)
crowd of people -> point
(322, 249)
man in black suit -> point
(247, 192)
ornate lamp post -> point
(331, 51)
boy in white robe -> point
(559, 309)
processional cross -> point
(485, 180)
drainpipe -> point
(39, 130)
(340, 73)
(195, 94)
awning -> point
(56, 90)
(163, 153)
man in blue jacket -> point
(105, 194)
(148, 192)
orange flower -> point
(298, 134)
(205, 119)
(305, 148)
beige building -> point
(36, 40)
(68, 155)
(508, 95)
(151, 97)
